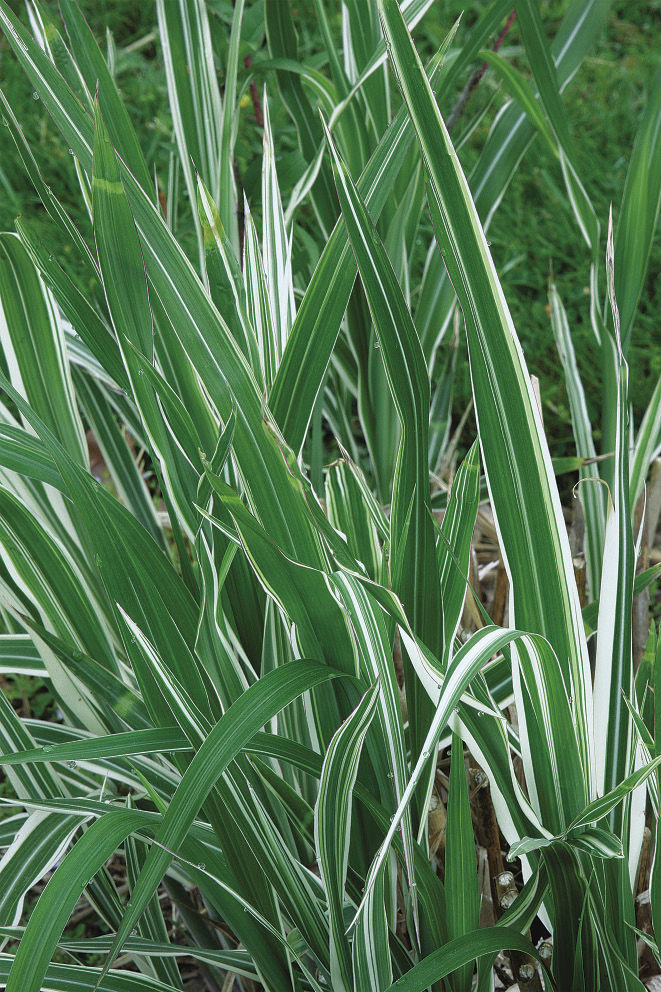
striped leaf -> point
(639, 211)
(47, 922)
(32, 340)
(332, 826)
(318, 320)
(590, 493)
(461, 891)
(614, 665)
(543, 596)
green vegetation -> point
(533, 229)
(282, 545)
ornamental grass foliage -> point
(310, 734)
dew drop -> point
(98, 559)
(5, 122)
(71, 151)
(201, 866)
(51, 258)
(107, 802)
(141, 372)
(71, 764)
(48, 747)
(35, 95)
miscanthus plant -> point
(260, 661)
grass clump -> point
(280, 604)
